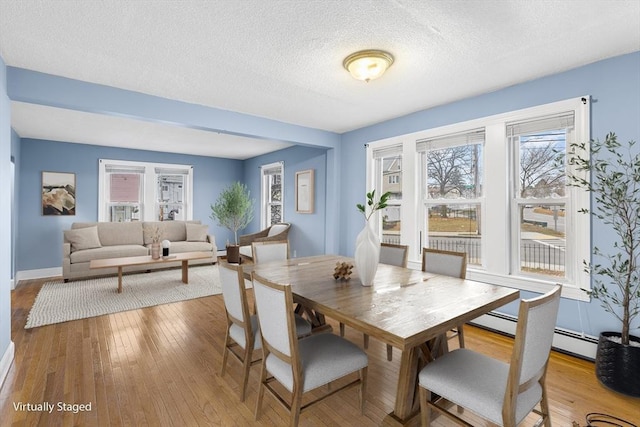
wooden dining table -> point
(409, 309)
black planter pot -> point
(233, 254)
(617, 365)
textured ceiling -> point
(283, 59)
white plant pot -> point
(367, 255)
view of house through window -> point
(170, 193)
(137, 191)
(124, 197)
(390, 164)
(272, 194)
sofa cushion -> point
(173, 231)
(197, 232)
(115, 233)
(83, 238)
(113, 251)
(277, 229)
(180, 247)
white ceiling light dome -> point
(368, 64)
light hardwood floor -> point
(161, 366)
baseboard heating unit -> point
(565, 341)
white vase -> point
(367, 255)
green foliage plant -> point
(234, 208)
(372, 205)
(615, 184)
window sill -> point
(523, 283)
(528, 284)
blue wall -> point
(6, 348)
(40, 241)
(307, 234)
(614, 85)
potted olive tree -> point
(234, 210)
(614, 182)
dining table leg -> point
(407, 405)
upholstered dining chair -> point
(243, 335)
(270, 251)
(503, 393)
(300, 365)
(275, 232)
(447, 263)
(393, 255)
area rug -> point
(60, 302)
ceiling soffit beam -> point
(61, 92)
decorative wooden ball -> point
(342, 271)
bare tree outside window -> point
(542, 168)
(454, 189)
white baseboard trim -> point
(563, 340)
(6, 361)
(37, 274)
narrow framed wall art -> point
(304, 191)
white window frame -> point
(497, 181)
(149, 202)
(265, 191)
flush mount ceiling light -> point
(368, 64)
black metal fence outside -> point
(534, 256)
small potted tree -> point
(614, 182)
(234, 210)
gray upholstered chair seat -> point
(324, 358)
(476, 382)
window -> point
(389, 171)
(136, 191)
(539, 197)
(272, 194)
(451, 188)
(171, 192)
(495, 188)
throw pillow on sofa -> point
(83, 238)
(197, 232)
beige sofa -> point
(98, 240)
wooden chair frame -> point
(513, 388)
(230, 346)
(295, 406)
